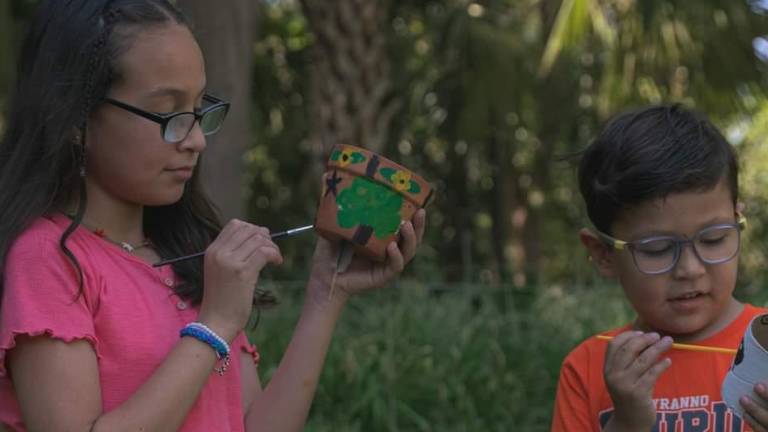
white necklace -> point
(129, 247)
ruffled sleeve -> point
(246, 346)
(41, 293)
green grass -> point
(445, 358)
(465, 358)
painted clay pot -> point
(365, 198)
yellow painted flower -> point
(401, 180)
(345, 158)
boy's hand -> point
(632, 367)
(754, 414)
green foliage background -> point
(495, 95)
(513, 86)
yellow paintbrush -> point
(689, 347)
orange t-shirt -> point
(687, 395)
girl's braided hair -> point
(96, 57)
(68, 63)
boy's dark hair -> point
(67, 64)
(650, 153)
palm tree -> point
(663, 50)
(351, 90)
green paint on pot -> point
(388, 173)
(366, 202)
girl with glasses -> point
(98, 180)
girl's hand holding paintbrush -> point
(362, 274)
(232, 265)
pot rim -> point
(361, 170)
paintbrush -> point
(273, 236)
(688, 347)
(344, 257)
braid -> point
(96, 60)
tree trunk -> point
(225, 31)
(351, 93)
(501, 205)
(550, 112)
(7, 57)
(510, 212)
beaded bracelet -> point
(204, 334)
(221, 342)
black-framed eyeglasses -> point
(175, 127)
(715, 244)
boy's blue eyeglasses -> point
(175, 127)
(659, 254)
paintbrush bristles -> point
(332, 289)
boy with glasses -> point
(661, 189)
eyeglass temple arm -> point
(214, 99)
(610, 241)
(147, 115)
(741, 221)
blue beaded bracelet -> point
(206, 329)
(208, 336)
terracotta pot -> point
(365, 197)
